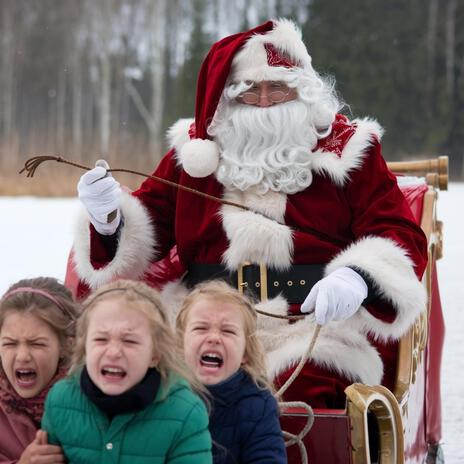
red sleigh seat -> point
(408, 420)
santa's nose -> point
(264, 100)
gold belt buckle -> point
(262, 280)
(240, 283)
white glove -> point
(336, 297)
(100, 194)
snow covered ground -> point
(36, 235)
(450, 275)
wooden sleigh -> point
(378, 425)
(404, 425)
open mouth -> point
(113, 373)
(25, 377)
(211, 360)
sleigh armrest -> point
(435, 170)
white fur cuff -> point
(392, 272)
(135, 247)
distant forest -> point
(106, 78)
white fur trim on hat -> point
(250, 63)
(178, 134)
(392, 272)
(135, 247)
(199, 157)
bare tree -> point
(7, 59)
(100, 16)
(450, 27)
(152, 114)
(76, 88)
(431, 45)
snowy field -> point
(36, 235)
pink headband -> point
(43, 293)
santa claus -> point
(322, 229)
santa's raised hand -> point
(100, 193)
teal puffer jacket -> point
(173, 429)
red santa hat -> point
(266, 52)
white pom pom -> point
(199, 157)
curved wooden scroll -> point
(378, 400)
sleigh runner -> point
(379, 425)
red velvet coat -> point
(360, 217)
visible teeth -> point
(211, 359)
(113, 370)
(25, 373)
(213, 355)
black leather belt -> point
(259, 281)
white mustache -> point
(266, 147)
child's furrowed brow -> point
(230, 325)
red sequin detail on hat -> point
(276, 58)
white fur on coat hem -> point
(339, 348)
(256, 239)
(253, 237)
(135, 247)
(393, 275)
(173, 295)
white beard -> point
(269, 148)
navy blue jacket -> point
(244, 423)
